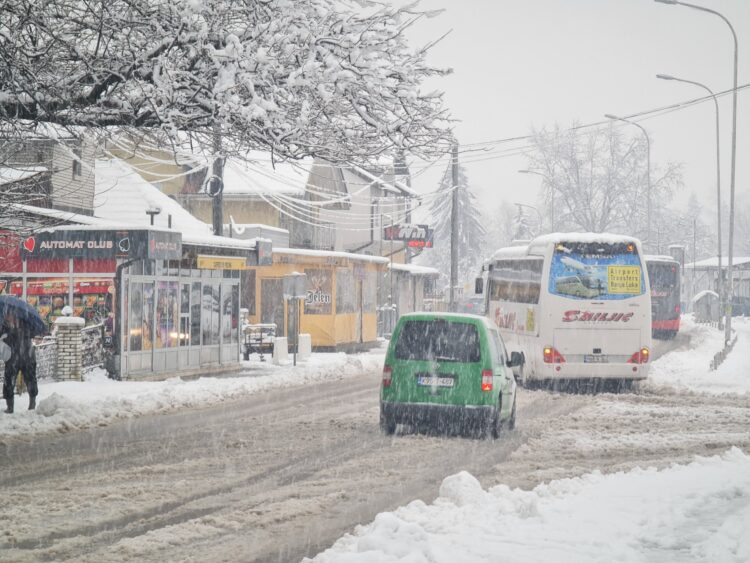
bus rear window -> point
(662, 275)
(438, 340)
(596, 271)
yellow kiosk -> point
(340, 311)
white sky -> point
(523, 64)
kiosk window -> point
(136, 316)
(195, 314)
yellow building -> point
(340, 311)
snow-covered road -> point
(281, 474)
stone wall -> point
(69, 343)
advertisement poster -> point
(596, 276)
(319, 292)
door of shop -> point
(272, 303)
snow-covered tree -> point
(689, 227)
(325, 78)
(597, 179)
(471, 234)
(502, 227)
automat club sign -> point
(103, 243)
(415, 236)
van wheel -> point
(521, 378)
(512, 419)
(387, 426)
(496, 424)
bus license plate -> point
(435, 380)
(591, 359)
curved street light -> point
(552, 198)
(539, 215)
(648, 170)
(730, 292)
(718, 175)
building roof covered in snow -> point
(713, 263)
(123, 196)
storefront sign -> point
(318, 300)
(415, 236)
(221, 262)
(157, 245)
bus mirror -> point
(479, 286)
(517, 359)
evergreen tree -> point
(472, 234)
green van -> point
(448, 371)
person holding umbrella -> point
(20, 323)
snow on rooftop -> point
(713, 262)
(603, 238)
(395, 187)
(259, 175)
(123, 196)
(415, 269)
(10, 174)
(701, 294)
(658, 258)
(331, 254)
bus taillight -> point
(552, 356)
(677, 309)
(640, 357)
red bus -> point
(664, 277)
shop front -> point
(171, 302)
(340, 311)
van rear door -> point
(437, 361)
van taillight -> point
(552, 356)
(486, 380)
(387, 376)
(640, 357)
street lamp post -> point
(648, 171)
(539, 215)
(552, 196)
(722, 297)
(730, 290)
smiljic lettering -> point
(590, 316)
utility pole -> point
(216, 185)
(454, 230)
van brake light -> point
(552, 356)
(486, 380)
(387, 375)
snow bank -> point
(687, 367)
(69, 405)
(695, 512)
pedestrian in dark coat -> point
(18, 337)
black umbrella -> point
(23, 312)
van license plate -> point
(435, 380)
(590, 359)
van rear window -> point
(438, 340)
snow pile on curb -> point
(695, 512)
(687, 368)
(70, 405)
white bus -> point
(577, 305)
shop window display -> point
(147, 331)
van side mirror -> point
(517, 359)
(479, 286)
